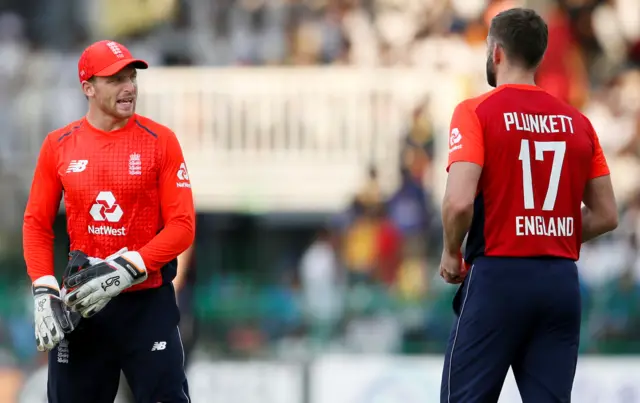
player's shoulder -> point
(579, 121)
(578, 115)
(58, 135)
(154, 128)
(472, 103)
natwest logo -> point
(106, 208)
(182, 174)
(183, 177)
(107, 230)
(454, 140)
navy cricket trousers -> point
(137, 333)
(518, 313)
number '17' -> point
(558, 148)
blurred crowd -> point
(367, 281)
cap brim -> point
(121, 64)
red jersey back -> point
(537, 154)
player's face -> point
(116, 95)
(491, 66)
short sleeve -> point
(466, 140)
(599, 166)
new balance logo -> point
(77, 166)
(159, 345)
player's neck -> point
(516, 77)
(104, 122)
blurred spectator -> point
(409, 209)
(280, 310)
(412, 282)
(389, 248)
(615, 114)
(13, 53)
(370, 195)
(562, 71)
(621, 311)
(419, 143)
(322, 286)
(360, 245)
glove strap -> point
(45, 285)
(67, 319)
(78, 260)
(136, 274)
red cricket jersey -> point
(124, 188)
(537, 154)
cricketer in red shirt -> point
(130, 213)
(521, 165)
(537, 154)
(127, 187)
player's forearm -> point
(37, 243)
(184, 265)
(456, 220)
(40, 214)
(594, 225)
(168, 244)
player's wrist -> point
(45, 285)
(145, 258)
(177, 284)
(448, 249)
(134, 266)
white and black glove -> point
(92, 286)
(78, 260)
(51, 318)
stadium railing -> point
(292, 139)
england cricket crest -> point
(135, 164)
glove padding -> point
(78, 260)
(51, 318)
(96, 281)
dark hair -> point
(523, 35)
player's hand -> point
(78, 260)
(451, 268)
(88, 311)
(51, 318)
(92, 287)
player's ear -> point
(88, 88)
(497, 53)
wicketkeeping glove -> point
(91, 288)
(78, 261)
(51, 318)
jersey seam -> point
(70, 132)
(145, 128)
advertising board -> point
(354, 379)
